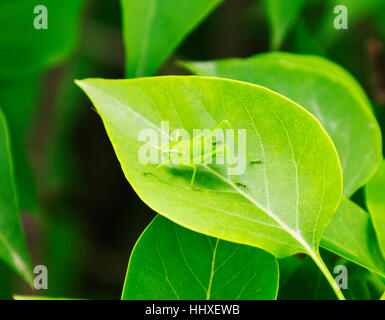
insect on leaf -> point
(330, 93)
(282, 216)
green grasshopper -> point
(199, 150)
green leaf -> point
(330, 93)
(19, 99)
(350, 234)
(375, 200)
(282, 16)
(25, 50)
(282, 216)
(170, 262)
(154, 28)
(12, 246)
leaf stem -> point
(321, 265)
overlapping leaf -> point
(170, 262)
(375, 200)
(350, 234)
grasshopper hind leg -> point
(153, 169)
(236, 180)
(186, 165)
(194, 166)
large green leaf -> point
(12, 246)
(25, 50)
(289, 198)
(329, 92)
(350, 234)
(154, 28)
(375, 200)
(282, 16)
(171, 262)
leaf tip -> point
(79, 83)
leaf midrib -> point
(212, 271)
(295, 234)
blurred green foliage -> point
(153, 29)
(26, 50)
(12, 246)
(86, 218)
